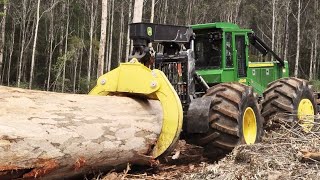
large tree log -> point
(54, 135)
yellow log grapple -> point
(135, 78)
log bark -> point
(53, 135)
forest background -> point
(64, 45)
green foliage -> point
(57, 67)
(24, 85)
(82, 89)
(316, 85)
(4, 1)
(75, 43)
(96, 44)
(256, 15)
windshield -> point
(208, 50)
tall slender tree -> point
(66, 47)
(34, 45)
(152, 11)
(311, 61)
(316, 44)
(51, 39)
(2, 36)
(273, 26)
(286, 43)
(296, 66)
(23, 40)
(137, 11)
(93, 13)
(120, 47)
(111, 38)
(11, 48)
(102, 46)
(128, 31)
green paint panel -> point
(260, 77)
(220, 25)
(258, 74)
(228, 75)
(210, 75)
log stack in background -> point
(52, 135)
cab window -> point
(229, 61)
(208, 48)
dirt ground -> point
(282, 154)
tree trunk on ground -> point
(73, 134)
(103, 37)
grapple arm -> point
(135, 78)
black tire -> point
(229, 102)
(282, 97)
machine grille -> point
(176, 71)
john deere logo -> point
(149, 31)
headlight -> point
(283, 70)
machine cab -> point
(221, 51)
(222, 55)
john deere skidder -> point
(208, 84)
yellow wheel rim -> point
(306, 114)
(249, 126)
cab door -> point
(241, 54)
